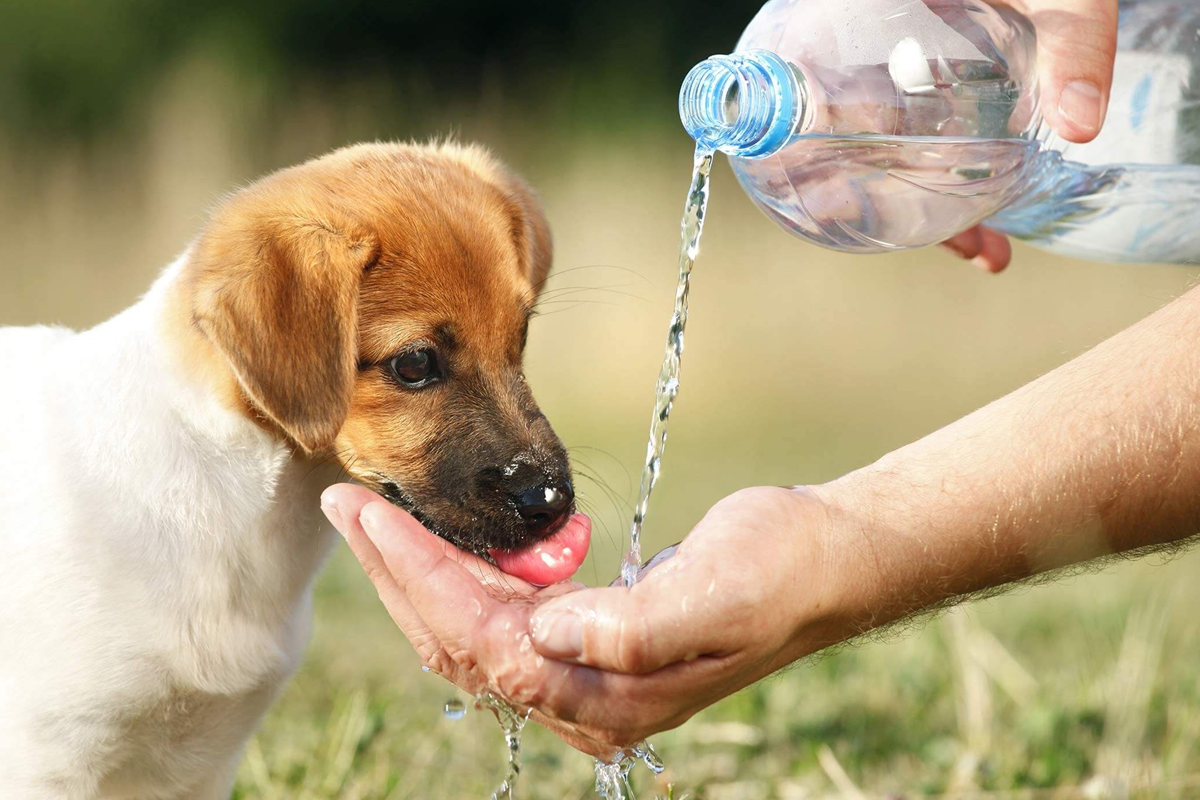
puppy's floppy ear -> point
(532, 231)
(275, 290)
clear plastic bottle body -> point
(1133, 193)
(917, 119)
(913, 68)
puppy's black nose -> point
(543, 507)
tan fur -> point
(304, 285)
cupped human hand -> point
(742, 592)
(605, 668)
(1077, 44)
(468, 621)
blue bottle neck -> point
(745, 104)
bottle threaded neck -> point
(745, 104)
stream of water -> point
(612, 777)
(666, 389)
(512, 722)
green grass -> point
(1053, 692)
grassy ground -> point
(801, 365)
(1057, 692)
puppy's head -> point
(373, 306)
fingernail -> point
(370, 526)
(332, 513)
(1080, 104)
(558, 634)
(982, 263)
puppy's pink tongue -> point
(553, 559)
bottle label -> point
(1143, 112)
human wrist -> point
(835, 586)
(895, 543)
(939, 520)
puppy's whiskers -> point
(615, 501)
(558, 273)
(565, 291)
(570, 295)
(322, 462)
(598, 518)
(596, 450)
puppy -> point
(160, 473)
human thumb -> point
(1077, 43)
(615, 629)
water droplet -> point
(645, 751)
(454, 709)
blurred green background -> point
(124, 121)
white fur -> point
(157, 553)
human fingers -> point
(343, 504)
(988, 250)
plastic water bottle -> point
(879, 125)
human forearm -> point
(1099, 456)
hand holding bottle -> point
(1077, 44)
(884, 125)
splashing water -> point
(512, 722)
(612, 777)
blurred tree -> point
(71, 67)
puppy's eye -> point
(416, 369)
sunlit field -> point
(801, 365)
